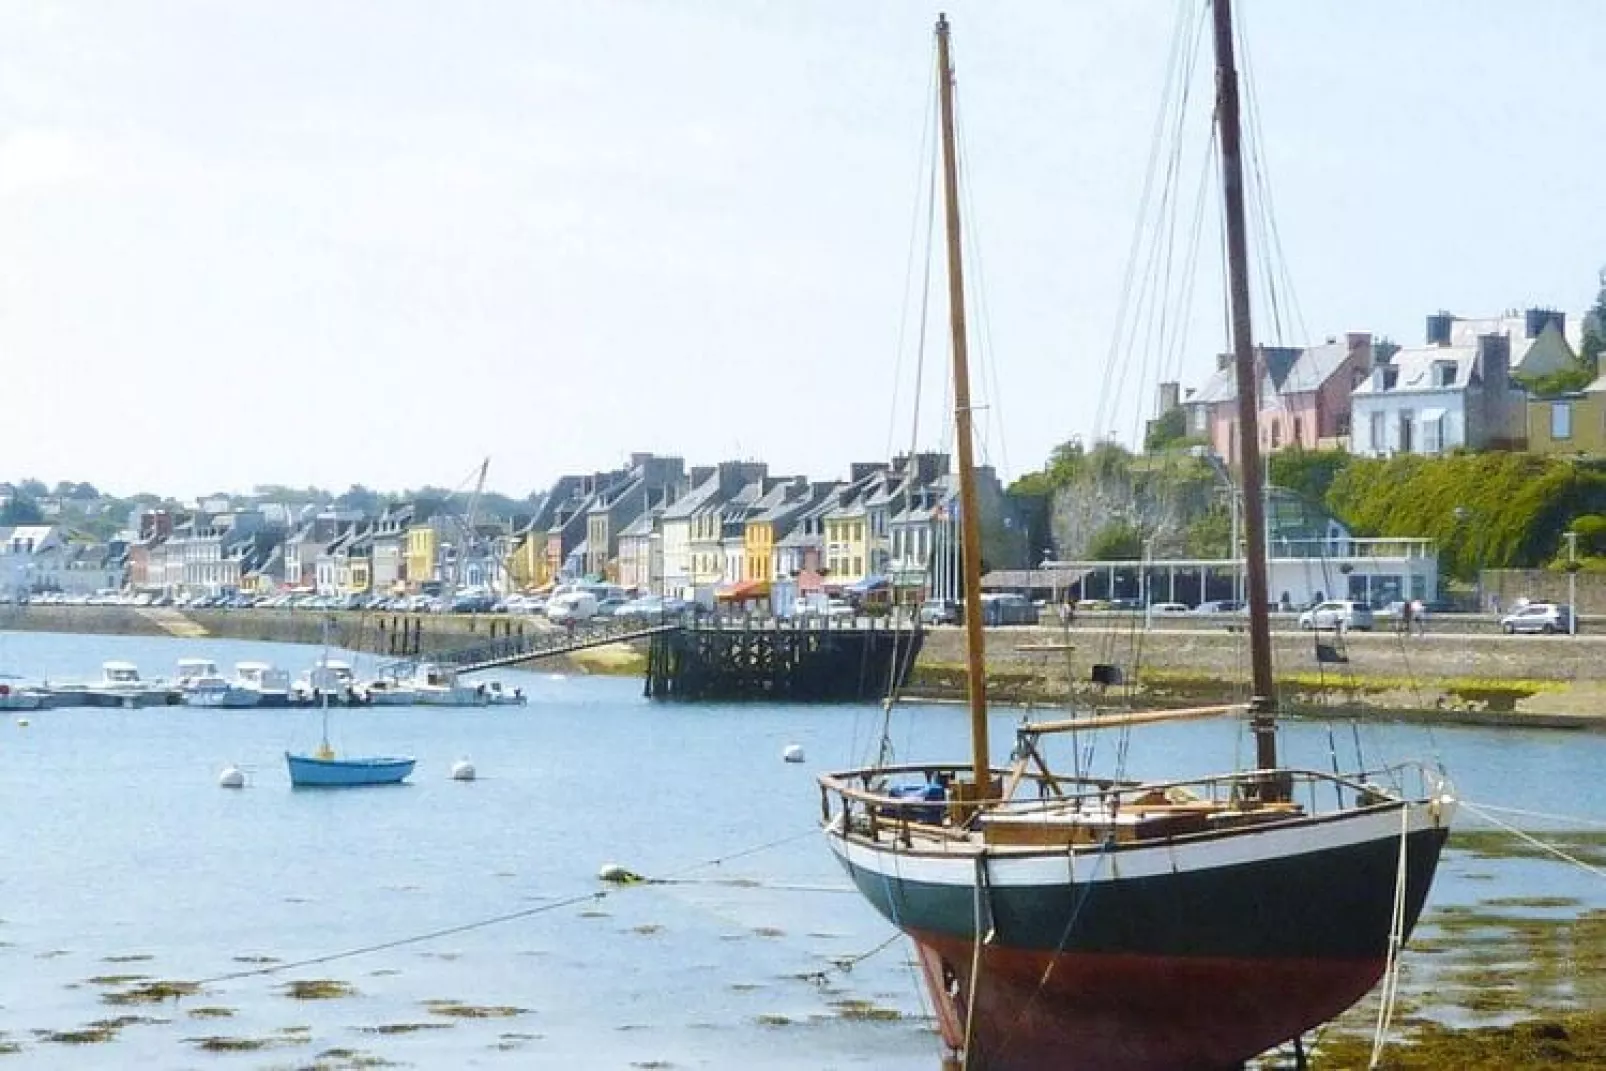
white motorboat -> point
(120, 685)
(329, 677)
(201, 685)
(271, 684)
(387, 692)
(437, 685)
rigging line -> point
(1263, 179)
(1135, 244)
(1391, 970)
(1544, 815)
(895, 670)
(928, 161)
(993, 415)
(1173, 356)
(1154, 295)
(494, 920)
(1529, 838)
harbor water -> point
(464, 923)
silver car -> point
(1544, 617)
(1338, 613)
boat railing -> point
(919, 794)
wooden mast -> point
(1263, 705)
(969, 516)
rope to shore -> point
(674, 877)
(1529, 838)
(1543, 815)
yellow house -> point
(845, 544)
(1570, 423)
(758, 541)
(358, 577)
(422, 547)
(527, 565)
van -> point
(571, 606)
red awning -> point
(747, 589)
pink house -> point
(1304, 396)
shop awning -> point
(747, 589)
(868, 584)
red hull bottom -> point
(1037, 1010)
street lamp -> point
(1572, 583)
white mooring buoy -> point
(462, 770)
(618, 875)
(23, 723)
(231, 777)
(793, 753)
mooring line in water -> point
(1546, 815)
(498, 920)
(1535, 841)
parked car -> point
(1337, 613)
(571, 606)
(1219, 606)
(1547, 617)
(939, 612)
(1161, 608)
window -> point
(1432, 433)
(1444, 373)
(1299, 431)
(1407, 427)
(1377, 432)
(1276, 434)
(1561, 420)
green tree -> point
(21, 510)
(1209, 535)
(1168, 429)
(1308, 472)
(1118, 540)
(1594, 343)
(1591, 529)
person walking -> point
(1419, 614)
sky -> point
(307, 243)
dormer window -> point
(1444, 373)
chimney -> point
(1439, 325)
(1168, 398)
(1494, 361)
(1359, 345)
(1534, 321)
(1223, 361)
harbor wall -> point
(1444, 671)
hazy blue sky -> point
(322, 243)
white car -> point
(1338, 613)
(1160, 608)
(1547, 617)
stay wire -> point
(1179, 41)
(494, 920)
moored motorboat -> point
(270, 684)
(201, 685)
(120, 685)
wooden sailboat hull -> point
(1196, 954)
(309, 771)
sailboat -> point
(1070, 922)
(324, 769)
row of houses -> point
(734, 528)
(653, 525)
(1462, 388)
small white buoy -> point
(617, 874)
(231, 777)
(462, 770)
(23, 723)
(793, 753)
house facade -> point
(1435, 398)
(1569, 424)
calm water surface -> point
(123, 857)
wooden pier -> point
(813, 661)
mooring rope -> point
(673, 877)
(1533, 840)
(1391, 969)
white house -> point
(1432, 399)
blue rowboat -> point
(311, 771)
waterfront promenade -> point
(1463, 669)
